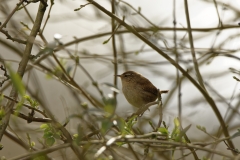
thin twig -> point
(114, 51)
(48, 16)
(11, 14)
(199, 76)
(143, 30)
(13, 39)
(31, 119)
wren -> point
(137, 89)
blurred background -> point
(80, 35)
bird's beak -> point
(118, 76)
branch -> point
(13, 39)
(139, 29)
(195, 63)
(22, 66)
(114, 50)
(31, 118)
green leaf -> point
(1, 97)
(201, 128)
(44, 126)
(48, 135)
(25, 25)
(204, 158)
(1, 146)
(163, 130)
(84, 105)
(139, 9)
(176, 129)
(75, 136)
(57, 135)
(129, 125)
(105, 42)
(31, 101)
(106, 124)
(33, 144)
(121, 124)
(176, 122)
(237, 79)
(109, 105)
(50, 141)
(2, 113)
(179, 137)
(16, 81)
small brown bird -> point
(137, 89)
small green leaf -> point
(44, 126)
(77, 59)
(106, 124)
(33, 144)
(163, 130)
(2, 113)
(84, 105)
(1, 97)
(237, 79)
(16, 81)
(31, 101)
(164, 124)
(204, 158)
(109, 105)
(1, 146)
(48, 135)
(25, 25)
(57, 135)
(106, 41)
(50, 141)
(201, 128)
(121, 124)
(176, 122)
(75, 136)
(179, 137)
(139, 9)
(129, 125)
